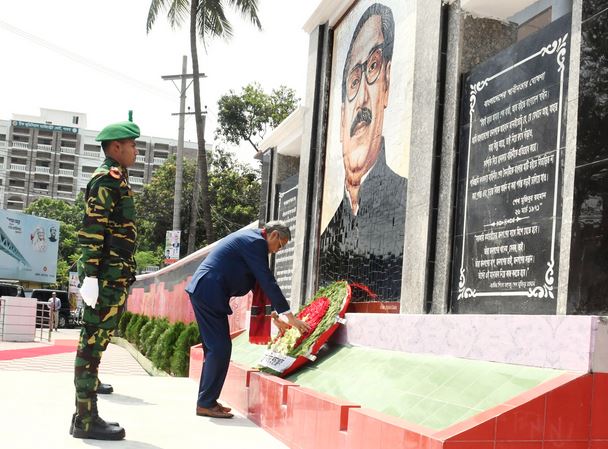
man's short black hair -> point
(388, 32)
(105, 145)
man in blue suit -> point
(232, 269)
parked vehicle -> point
(7, 289)
(66, 317)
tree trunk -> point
(201, 185)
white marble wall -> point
(575, 343)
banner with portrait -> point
(28, 247)
(367, 153)
(74, 291)
(172, 246)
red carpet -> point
(59, 347)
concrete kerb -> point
(145, 363)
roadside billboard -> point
(28, 247)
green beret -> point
(118, 131)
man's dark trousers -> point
(215, 335)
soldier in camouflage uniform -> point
(107, 265)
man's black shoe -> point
(98, 430)
(95, 418)
(104, 388)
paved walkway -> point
(36, 397)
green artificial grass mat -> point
(431, 391)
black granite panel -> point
(593, 7)
(592, 136)
(588, 282)
(510, 173)
(287, 211)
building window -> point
(15, 203)
(16, 183)
(75, 120)
(41, 185)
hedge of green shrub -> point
(163, 350)
(122, 324)
(167, 345)
(133, 323)
(137, 330)
(180, 360)
(147, 344)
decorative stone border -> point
(145, 363)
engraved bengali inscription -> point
(512, 145)
(287, 210)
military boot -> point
(98, 429)
(95, 418)
(104, 388)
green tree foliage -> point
(144, 259)
(161, 354)
(180, 360)
(70, 218)
(247, 116)
(154, 206)
(57, 210)
(235, 188)
(235, 197)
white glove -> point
(90, 291)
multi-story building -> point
(53, 155)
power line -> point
(82, 59)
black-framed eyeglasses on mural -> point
(370, 68)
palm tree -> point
(207, 20)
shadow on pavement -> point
(237, 421)
(124, 443)
(124, 399)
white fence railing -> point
(68, 150)
(21, 145)
(18, 167)
(46, 170)
(24, 319)
(66, 172)
(93, 154)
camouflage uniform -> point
(107, 240)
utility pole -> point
(179, 158)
